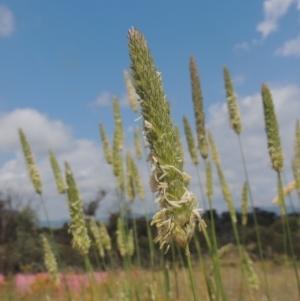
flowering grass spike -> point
(179, 207)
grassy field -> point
(150, 286)
(223, 272)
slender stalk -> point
(90, 270)
(182, 264)
(198, 248)
(188, 257)
(137, 243)
(289, 195)
(150, 239)
(201, 188)
(59, 261)
(213, 246)
(175, 272)
(287, 225)
(166, 278)
(255, 220)
(216, 265)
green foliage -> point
(19, 240)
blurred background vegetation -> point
(21, 248)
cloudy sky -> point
(61, 64)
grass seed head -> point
(77, 227)
(297, 143)
(129, 178)
(177, 133)
(137, 180)
(131, 92)
(118, 162)
(223, 251)
(121, 240)
(176, 219)
(296, 172)
(190, 141)
(198, 108)
(118, 123)
(214, 150)
(106, 148)
(281, 201)
(233, 109)
(137, 143)
(31, 166)
(97, 236)
(286, 191)
(211, 287)
(125, 241)
(245, 204)
(227, 194)
(106, 241)
(60, 184)
(50, 261)
(272, 130)
(209, 182)
(252, 278)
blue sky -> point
(62, 63)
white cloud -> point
(274, 10)
(40, 131)
(124, 102)
(7, 22)
(242, 46)
(238, 80)
(105, 99)
(290, 48)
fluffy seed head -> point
(118, 123)
(198, 108)
(190, 141)
(212, 290)
(227, 194)
(296, 172)
(252, 279)
(176, 219)
(137, 143)
(214, 150)
(209, 182)
(97, 237)
(177, 133)
(297, 143)
(31, 166)
(245, 204)
(125, 241)
(281, 201)
(129, 178)
(223, 251)
(77, 226)
(137, 181)
(286, 191)
(272, 130)
(118, 162)
(105, 239)
(50, 261)
(131, 92)
(106, 148)
(234, 112)
(61, 186)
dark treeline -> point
(21, 248)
